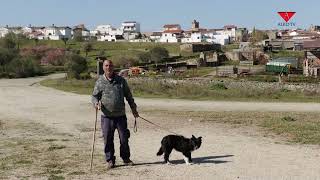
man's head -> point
(108, 68)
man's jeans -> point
(108, 126)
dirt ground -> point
(47, 134)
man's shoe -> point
(128, 162)
(110, 165)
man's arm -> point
(129, 98)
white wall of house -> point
(293, 33)
(155, 38)
(231, 33)
(169, 38)
(108, 29)
(194, 38)
(217, 39)
(3, 32)
(56, 33)
(227, 32)
(26, 30)
(93, 33)
(86, 33)
(140, 40)
(106, 37)
(133, 27)
(66, 32)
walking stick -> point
(94, 139)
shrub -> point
(23, 67)
(125, 62)
(157, 54)
(76, 65)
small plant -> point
(288, 118)
(55, 147)
(218, 86)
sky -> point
(152, 15)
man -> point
(108, 95)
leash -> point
(135, 127)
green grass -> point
(198, 72)
(113, 50)
(230, 47)
(161, 88)
(295, 127)
(287, 53)
(76, 86)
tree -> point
(6, 56)
(10, 41)
(77, 36)
(125, 62)
(144, 57)
(257, 36)
(36, 41)
(87, 47)
(65, 40)
(157, 54)
(102, 52)
(75, 65)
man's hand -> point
(135, 113)
(97, 105)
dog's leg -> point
(166, 155)
(187, 158)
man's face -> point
(108, 67)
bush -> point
(21, 67)
(6, 56)
(55, 57)
(76, 65)
(218, 86)
(85, 76)
(125, 62)
(144, 57)
(157, 54)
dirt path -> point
(225, 154)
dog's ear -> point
(193, 137)
(200, 138)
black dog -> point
(181, 144)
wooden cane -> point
(94, 138)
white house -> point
(219, 39)
(3, 32)
(57, 33)
(81, 30)
(106, 37)
(130, 26)
(230, 30)
(194, 37)
(172, 33)
(107, 29)
(155, 36)
(131, 30)
(27, 30)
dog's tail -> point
(160, 152)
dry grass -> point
(42, 153)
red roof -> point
(229, 26)
(171, 26)
(173, 31)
